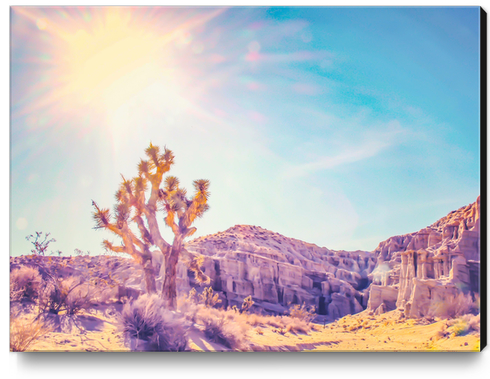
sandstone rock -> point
(431, 297)
(274, 269)
(381, 309)
(379, 295)
(430, 265)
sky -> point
(337, 126)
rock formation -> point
(279, 271)
(416, 272)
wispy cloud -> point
(296, 56)
(373, 144)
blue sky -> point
(336, 126)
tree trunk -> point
(169, 291)
(149, 276)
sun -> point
(95, 59)
(110, 61)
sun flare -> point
(100, 57)
(110, 61)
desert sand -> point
(97, 331)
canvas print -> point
(245, 179)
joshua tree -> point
(134, 209)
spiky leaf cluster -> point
(139, 199)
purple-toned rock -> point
(431, 265)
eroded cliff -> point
(428, 269)
(279, 271)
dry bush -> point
(284, 323)
(68, 296)
(275, 321)
(465, 325)
(188, 305)
(16, 294)
(208, 297)
(148, 326)
(230, 327)
(254, 319)
(296, 325)
(460, 305)
(24, 332)
(224, 327)
(24, 283)
(247, 304)
(302, 312)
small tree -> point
(247, 304)
(138, 202)
(40, 244)
(209, 298)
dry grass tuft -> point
(24, 332)
(225, 327)
(25, 283)
(465, 325)
(148, 326)
(69, 296)
(458, 306)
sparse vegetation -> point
(224, 327)
(457, 306)
(209, 298)
(40, 244)
(25, 283)
(68, 296)
(302, 312)
(148, 326)
(247, 304)
(464, 325)
(24, 332)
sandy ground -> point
(91, 331)
(97, 331)
(362, 332)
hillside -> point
(277, 271)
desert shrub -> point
(40, 245)
(187, 308)
(147, 326)
(254, 319)
(16, 293)
(296, 325)
(247, 304)
(458, 306)
(282, 323)
(275, 321)
(23, 332)
(69, 296)
(224, 328)
(302, 312)
(24, 283)
(209, 298)
(192, 296)
(465, 325)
